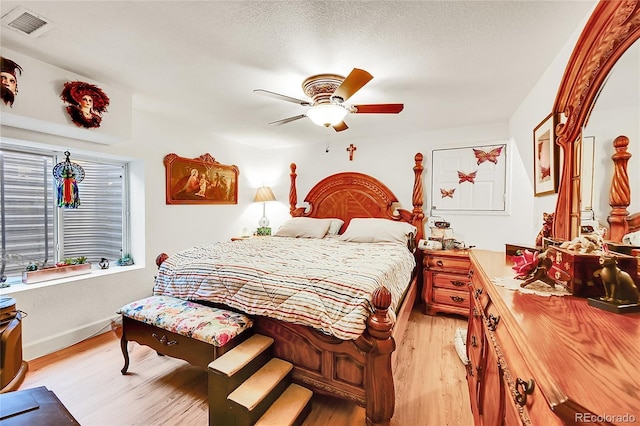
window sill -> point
(16, 284)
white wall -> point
(534, 108)
(63, 314)
(38, 105)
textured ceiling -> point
(452, 63)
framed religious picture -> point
(545, 157)
(201, 180)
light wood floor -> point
(431, 389)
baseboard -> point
(67, 338)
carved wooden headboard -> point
(351, 195)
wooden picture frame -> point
(201, 180)
(545, 157)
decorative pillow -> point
(373, 230)
(304, 227)
(335, 226)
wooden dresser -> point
(547, 360)
(446, 281)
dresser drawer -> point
(457, 264)
(450, 281)
(451, 297)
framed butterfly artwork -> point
(545, 154)
(469, 179)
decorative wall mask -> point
(86, 102)
(9, 87)
(68, 175)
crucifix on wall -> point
(351, 149)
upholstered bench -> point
(182, 329)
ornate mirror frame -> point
(613, 26)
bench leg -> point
(125, 353)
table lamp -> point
(264, 194)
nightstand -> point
(446, 281)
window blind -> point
(34, 229)
(26, 216)
(94, 230)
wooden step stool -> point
(248, 387)
(182, 329)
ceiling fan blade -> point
(340, 126)
(354, 82)
(282, 97)
(287, 120)
(377, 109)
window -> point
(34, 229)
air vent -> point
(26, 22)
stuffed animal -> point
(547, 228)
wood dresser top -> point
(581, 356)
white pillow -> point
(633, 238)
(373, 230)
(335, 226)
(304, 227)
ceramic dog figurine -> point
(618, 285)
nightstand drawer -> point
(450, 264)
(451, 297)
(451, 281)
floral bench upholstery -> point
(182, 329)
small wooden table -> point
(34, 407)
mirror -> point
(611, 29)
(615, 112)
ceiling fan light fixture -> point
(327, 115)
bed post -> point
(620, 191)
(418, 196)
(293, 193)
(379, 387)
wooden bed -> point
(359, 370)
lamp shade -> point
(264, 193)
(327, 114)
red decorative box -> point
(575, 270)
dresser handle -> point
(164, 340)
(527, 389)
(474, 341)
(457, 299)
(470, 273)
(492, 322)
(458, 283)
(477, 293)
(439, 263)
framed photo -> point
(545, 157)
(201, 180)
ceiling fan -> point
(328, 92)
